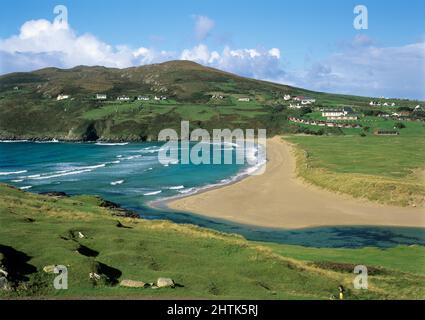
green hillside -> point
(29, 109)
(38, 231)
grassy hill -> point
(29, 110)
(38, 231)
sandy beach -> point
(279, 199)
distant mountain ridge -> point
(29, 108)
(176, 78)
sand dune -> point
(279, 199)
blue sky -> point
(308, 43)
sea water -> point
(131, 175)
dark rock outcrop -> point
(118, 211)
(54, 194)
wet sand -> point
(278, 199)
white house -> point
(304, 100)
(287, 97)
(142, 98)
(244, 99)
(374, 103)
(419, 108)
(123, 98)
(345, 117)
(337, 112)
(333, 113)
(62, 97)
(307, 101)
(297, 106)
(216, 96)
(101, 96)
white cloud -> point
(365, 69)
(42, 43)
(200, 54)
(203, 27)
(256, 63)
(359, 67)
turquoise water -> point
(131, 175)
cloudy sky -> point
(307, 43)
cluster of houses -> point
(419, 108)
(301, 101)
(141, 98)
(379, 104)
(321, 123)
(399, 114)
(345, 113)
(220, 97)
(403, 115)
(217, 96)
(103, 97)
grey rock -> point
(133, 284)
(49, 269)
(4, 285)
(165, 283)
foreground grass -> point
(384, 169)
(207, 264)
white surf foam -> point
(133, 157)
(111, 144)
(176, 188)
(187, 191)
(67, 172)
(25, 188)
(257, 158)
(50, 141)
(8, 173)
(114, 183)
(153, 193)
(13, 141)
(34, 176)
(62, 174)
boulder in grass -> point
(165, 283)
(49, 269)
(3, 272)
(133, 284)
(94, 276)
(4, 285)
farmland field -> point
(384, 169)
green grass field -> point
(42, 230)
(384, 169)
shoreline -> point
(279, 199)
(238, 177)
